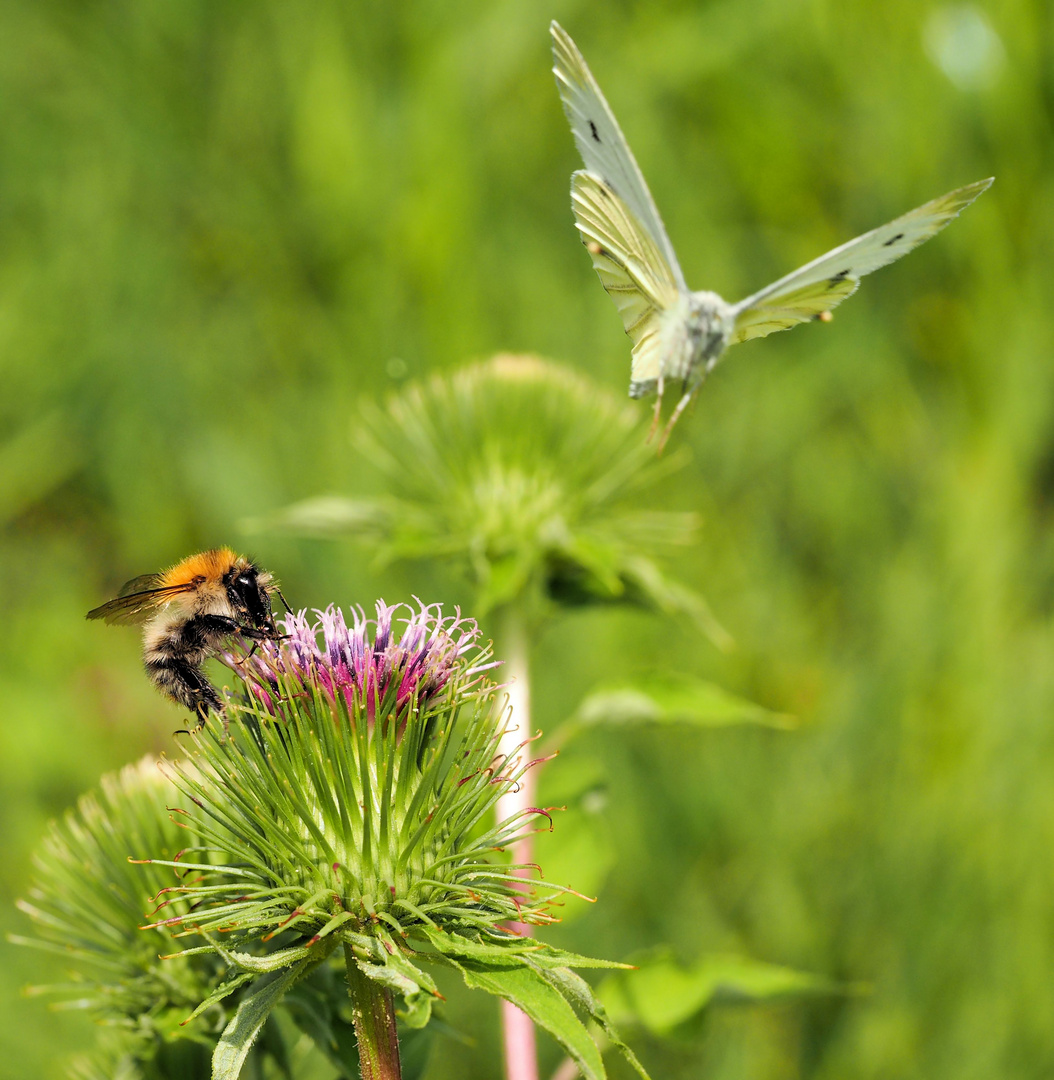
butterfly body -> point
(693, 334)
(677, 334)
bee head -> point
(247, 592)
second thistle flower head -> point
(375, 668)
(352, 791)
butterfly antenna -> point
(656, 412)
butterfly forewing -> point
(798, 297)
(630, 266)
(601, 143)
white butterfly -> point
(678, 334)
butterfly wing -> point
(138, 600)
(603, 146)
(631, 268)
(822, 284)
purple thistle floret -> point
(367, 661)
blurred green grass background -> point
(222, 224)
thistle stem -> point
(373, 1014)
(521, 1058)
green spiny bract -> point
(349, 792)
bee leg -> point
(285, 602)
(183, 683)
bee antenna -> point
(285, 602)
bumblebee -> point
(188, 613)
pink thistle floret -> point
(369, 660)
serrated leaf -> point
(576, 989)
(238, 1036)
(261, 965)
(511, 950)
(225, 989)
(670, 699)
(661, 994)
(530, 991)
(415, 987)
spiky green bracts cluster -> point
(526, 476)
(346, 798)
(87, 903)
(351, 792)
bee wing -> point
(631, 267)
(138, 599)
(602, 145)
(818, 286)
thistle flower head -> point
(346, 796)
(350, 792)
(518, 470)
(87, 904)
(385, 668)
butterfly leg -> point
(657, 411)
(681, 406)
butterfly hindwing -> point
(631, 268)
(788, 309)
(825, 282)
(601, 143)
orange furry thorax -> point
(205, 566)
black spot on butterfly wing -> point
(593, 131)
(838, 278)
(893, 239)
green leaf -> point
(576, 989)
(238, 1036)
(311, 1011)
(643, 576)
(503, 579)
(415, 987)
(669, 699)
(661, 994)
(326, 515)
(415, 1051)
(260, 965)
(510, 950)
(532, 992)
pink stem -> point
(521, 1058)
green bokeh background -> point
(224, 223)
